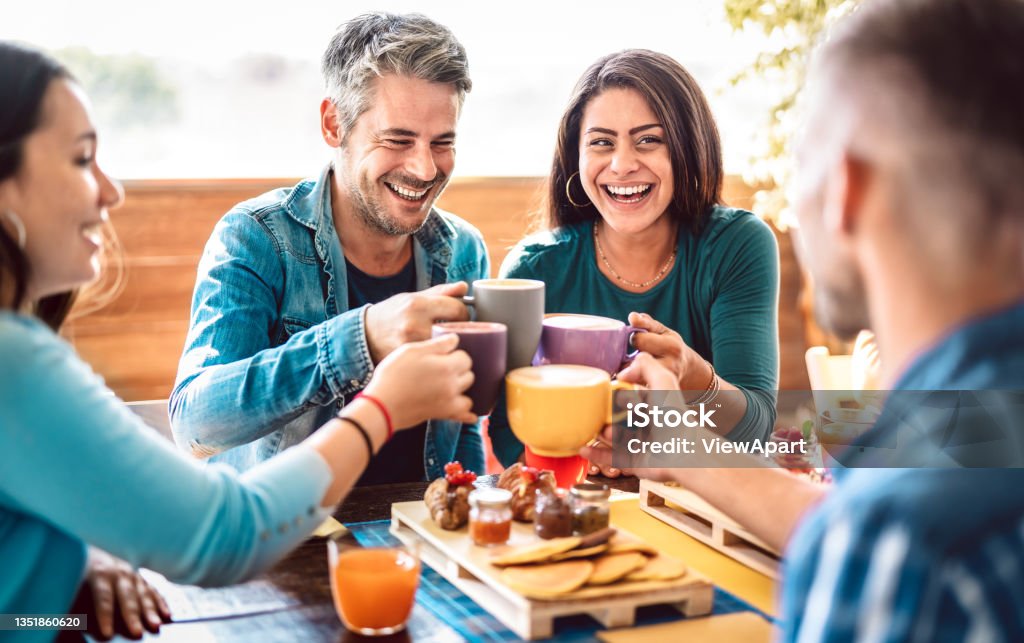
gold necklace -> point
(632, 284)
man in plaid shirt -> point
(910, 196)
(911, 209)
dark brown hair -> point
(690, 132)
(25, 75)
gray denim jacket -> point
(273, 352)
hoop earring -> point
(19, 226)
(569, 196)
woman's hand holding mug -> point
(425, 380)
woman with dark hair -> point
(635, 229)
(77, 467)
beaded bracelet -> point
(711, 392)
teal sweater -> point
(77, 467)
(721, 296)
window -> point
(209, 89)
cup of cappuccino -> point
(517, 303)
(486, 344)
(587, 340)
(556, 409)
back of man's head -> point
(375, 44)
(934, 91)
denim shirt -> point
(272, 351)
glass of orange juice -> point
(374, 588)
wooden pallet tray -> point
(691, 514)
(453, 555)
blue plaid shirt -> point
(920, 554)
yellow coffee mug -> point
(557, 409)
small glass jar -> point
(590, 510)
(490, 516)
(553, 515)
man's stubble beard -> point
(842, 308)
(374, 214)
(840, 300)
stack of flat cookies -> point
(556, 567)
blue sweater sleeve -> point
(77, 459)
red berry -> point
(461, 478)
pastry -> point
(524, 482)
(534, 552)
(447, 498)
(659, 568)
(610, 568)
(547, 581)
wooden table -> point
(292, 601)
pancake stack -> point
(557, 567)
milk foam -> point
(583, 322)
(558, 376)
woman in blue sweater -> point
(77, 468)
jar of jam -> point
(590, 509)
(490, 516)
(553, 515)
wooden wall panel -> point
(792, 318)
(501, 208)
(136, 364)
(135, 342)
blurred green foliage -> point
(128, 90)
(792, 28)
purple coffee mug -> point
(588, 340)
(487, 345)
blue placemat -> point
(474, 623)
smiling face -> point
(400, 153)
(625, 167)
(61, 194)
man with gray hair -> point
(302, 290)
(911, 206)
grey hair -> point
(374, 44)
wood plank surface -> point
(135, 341)
(694, 516)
